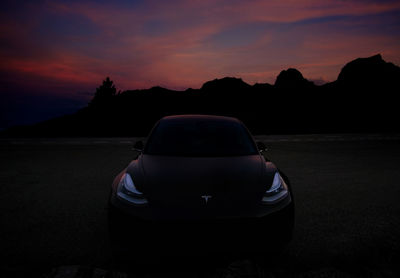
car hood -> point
(179, 185)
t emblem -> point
(206, 197)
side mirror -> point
(261, 147)
(138, 146)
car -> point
(200, 182)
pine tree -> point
(105, 93)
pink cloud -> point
(182, 56)
(293, 10)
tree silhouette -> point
(105, 93)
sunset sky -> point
(55, 53)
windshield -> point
(199, 137)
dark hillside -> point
(362, 99)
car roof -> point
(195, 117)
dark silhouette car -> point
(200, 181)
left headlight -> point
(277, 191)
(127, 190)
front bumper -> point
(143, 228)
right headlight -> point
(277, 191)
(127, 190)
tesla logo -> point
(206, 197)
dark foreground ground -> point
(53, 210)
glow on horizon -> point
(180, 44)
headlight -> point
(127, 190)
(277, 191)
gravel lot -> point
(53, 205)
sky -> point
(53, 54)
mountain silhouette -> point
(292, 79)
(362, 99)
(366, 72)
(229, 85)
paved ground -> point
(53, 207)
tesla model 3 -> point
(200, 179)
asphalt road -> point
(53, 203)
